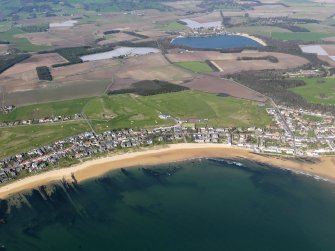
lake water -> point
(200, 205)
(216, 42)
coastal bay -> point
(321, 167)
(200, 204)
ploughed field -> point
(90, 78)
(236, 62)
(94, 78)
(215, 84)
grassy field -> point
(4, 26)
(128, 111)
(195, 66)
(172, 26)
(63, 108)
(59, 92)
(317, 90)
(122, 111)
(22, 44)
(262, 30)
(303, 36)
(23, 138)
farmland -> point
(233, 62)
(22, 44)
(195, 66)
(303, 36)
(171, 26)
(34, 61)
(257, 30)
(58, 92)
(317, 90)
(213, 84)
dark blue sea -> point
(195, 205)
(216, 42)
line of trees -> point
(132, 33)
(269, 58)
(150, 87)
(272, 84)
(73, 54)
(8, 61)
(111, 32)
(35, 28)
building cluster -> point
(82, 146)
(44, 120)
(294, 132)
(305, 73)
(7, 109)
(306, 133)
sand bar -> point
(325, 167)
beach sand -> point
(323, 167)
(258, 40)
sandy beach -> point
(324, 167)
(258, 40)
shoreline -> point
(258, 40)
(324, 168)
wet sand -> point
(322, 167)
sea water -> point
(208, 204)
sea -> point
(200, 204)
(217, 42)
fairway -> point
(131, 111)
(122, 111)
(62, 108)
(317, 90)
(24, 138)
(195, 66)
(303, 36)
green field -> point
(4, 26)
(262, 30)
(63, 108)
(317, 90)
(195, 66)
(172, 26)
(303, 36)
(22, 44)
(59, 92)
(23, 138)
(122, 111)
(127, 110)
